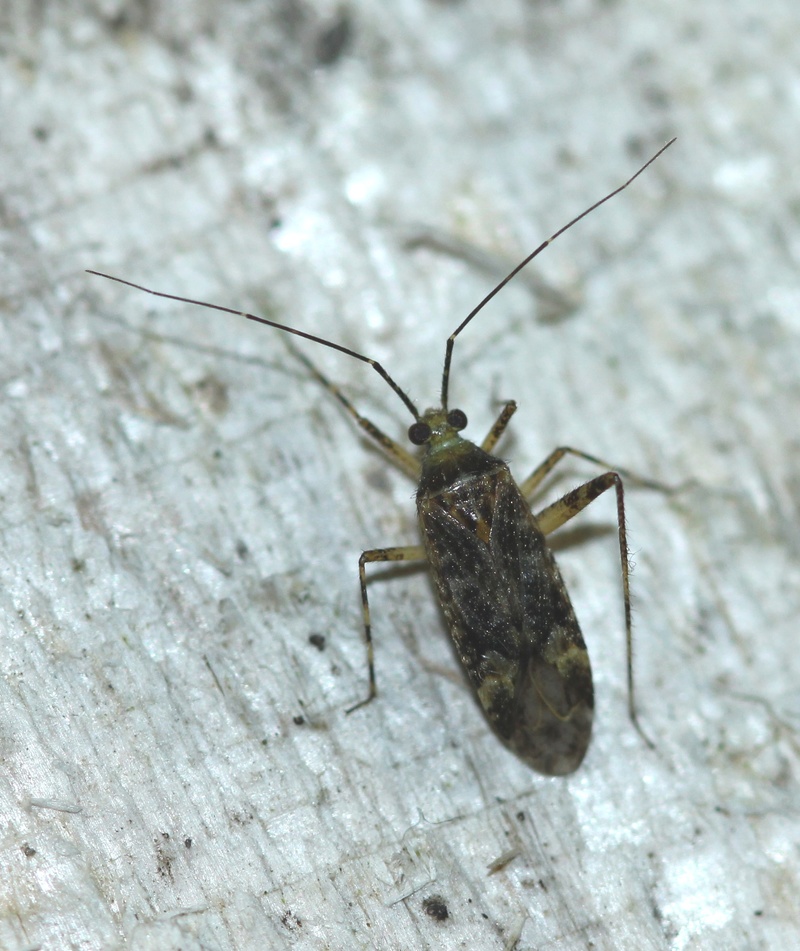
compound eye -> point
(419, 433)
(457, 419)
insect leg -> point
(499, 426)
(401, 553)
(402, 457)
(569, 505)
(535, 479)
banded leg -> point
(397, 453)
(535, 479)
(404, 553)
(568, 506)
(499, 426)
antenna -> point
(448, 353)
(360, 356)
(271, 323)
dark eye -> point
(419, 433)
(457, 419)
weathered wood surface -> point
(183, 509)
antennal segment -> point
(271, 323)
(448, 354)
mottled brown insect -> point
(503, 597)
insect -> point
(505, 603)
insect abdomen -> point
(509, 614)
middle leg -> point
(400, 553)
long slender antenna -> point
(271, 323)
(448, 354)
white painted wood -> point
(183, 509)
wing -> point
(510, 617)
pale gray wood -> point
(183, 509)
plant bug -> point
(505, 603)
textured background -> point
(182, 508)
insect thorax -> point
(450, 460)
